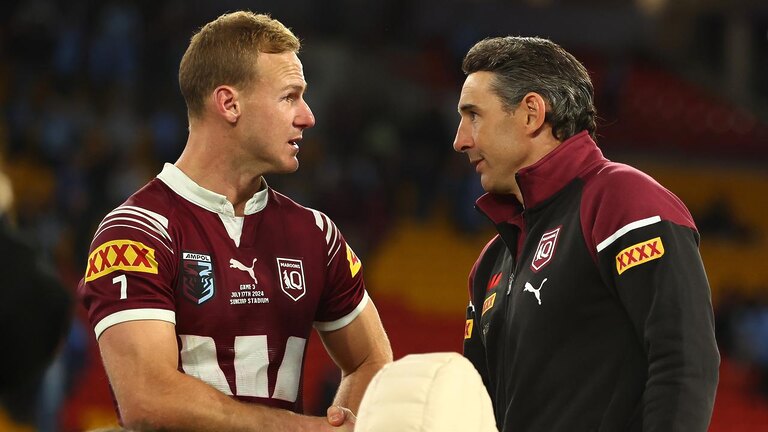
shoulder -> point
(144, 216)
(305, 219)
(616, 195)
(490, 251)
(490, 248)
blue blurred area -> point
(91, 109)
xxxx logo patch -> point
(468, 328)
(640, 253)
(354, 261)
(488, 303)
(116, 255)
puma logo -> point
(535, 291)
(233, 263)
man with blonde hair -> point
(204, 286)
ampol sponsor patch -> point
(127, 255)
(488, 303)
(468, 328)
(197, 277)
(354, 261)
(640, 253)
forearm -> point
(683, 360)
(360, 349)
(353, 385)
(681, 397)
(184, 403)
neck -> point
(543, 142)
(516, 192)
(209, 160)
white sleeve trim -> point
(627, 228)
(343, 321)
(134, 315)
(318, 218)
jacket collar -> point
(543, 179)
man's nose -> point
(463, 140)
(305, 119)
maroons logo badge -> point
(292, 280)
(197, 281)
(546, 249)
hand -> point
(339, 416)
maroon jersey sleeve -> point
(344, 296)
(130, 269)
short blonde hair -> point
(224, 52)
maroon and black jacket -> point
(591, 310)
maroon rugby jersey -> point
(243, 292)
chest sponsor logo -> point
(292, 280)
(488, 303)
(354, 261)
(124, 255)
(640, 253)
(197, 281)
(468, 328)
(545, 250)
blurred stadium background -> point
(91, 109)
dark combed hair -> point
(530, 64)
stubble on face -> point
(272, 132)
(495, 143)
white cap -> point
(426, 393)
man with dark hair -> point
(590, 310)
(204, 286)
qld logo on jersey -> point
(545, 250)
(124, 255)
(640, 253)
(292, 280)
(197, 282)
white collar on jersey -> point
(196, 194)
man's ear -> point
(535, 111)
(226, 101)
